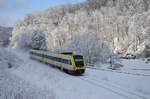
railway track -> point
(112, 88)
(137, 74)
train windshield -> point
(78, 60)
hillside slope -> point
(123, 25)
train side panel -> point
(52, 62)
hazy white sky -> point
(12, 10)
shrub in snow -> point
(147, 60)
(146, 52)
(8, 59)
(89, 46)
(115, 62)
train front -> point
(79, 64)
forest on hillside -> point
(93, 28)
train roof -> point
(67, 53)
(63, 53)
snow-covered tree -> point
(23, 41)
(88, 45)
(38, 40)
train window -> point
(79, 63)
(78, 60)
(69, 62)
(65, 61)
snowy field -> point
(35, 80)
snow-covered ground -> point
(52, 83)
(14, 87)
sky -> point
(13, 10)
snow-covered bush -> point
(89, 46)
(8, 59)
(146, 52)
